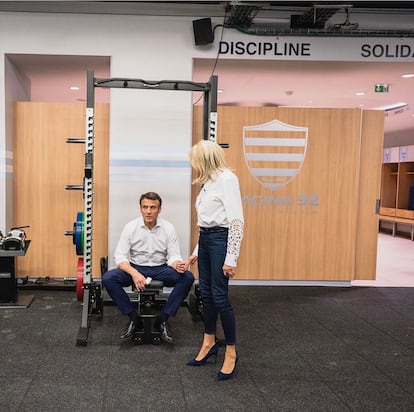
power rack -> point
(89, 289)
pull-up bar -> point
(209, 89)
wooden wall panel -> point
(43, 165)
(369, 191)
(306, 230)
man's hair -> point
(150, 196)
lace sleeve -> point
(235, 237)
(234, 213)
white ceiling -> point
(248, 83)
(315, 84)
(51, 77)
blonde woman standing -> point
(221, 223)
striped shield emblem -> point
(274, 152)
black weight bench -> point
(149, 306)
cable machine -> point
(89, 291)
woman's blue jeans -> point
(214, 285)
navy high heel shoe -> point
(226, 376)
(212, 352)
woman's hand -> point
(191, 260)
(229, 271)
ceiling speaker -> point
(203, 31)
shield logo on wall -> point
(274, 152)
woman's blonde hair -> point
(206, 158)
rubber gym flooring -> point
(300, 349)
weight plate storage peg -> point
(79, 279)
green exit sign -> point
(382, 88)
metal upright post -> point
(210, 110)
(88, 211)
(88, 180)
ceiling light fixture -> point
(360, 94)
(408, 75)
(74, 88)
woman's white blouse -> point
(219, 204)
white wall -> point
(16, 88)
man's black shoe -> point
(165, 333)
(129, 331)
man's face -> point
(150, 209)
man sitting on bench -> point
(148, 247)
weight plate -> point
(83, 231)
(74, 233)
(79, 279)
(79, 233)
